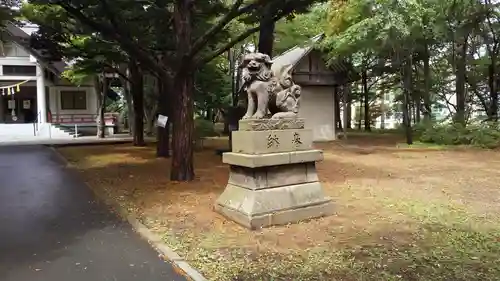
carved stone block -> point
(272, 176)
(271, 124)
(261, 142)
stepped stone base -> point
(271, 159)
(273, 195)
(273, 178)
(282, 217)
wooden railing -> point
(110, 118)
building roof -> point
(291, 58)
(22, 38)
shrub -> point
(204, 128)
(486, 135)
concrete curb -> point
(166, 251)
(181, 266)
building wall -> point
(13, 50)
(13, 54)
(29, 72)
(55, 102)
(312, 70)
(317, 107)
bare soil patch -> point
(402, 213)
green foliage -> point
(300, 29)
(204, 128)
(485, 135)
(375, 112)
(212, 86)
(6, 12)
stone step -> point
(272, 159)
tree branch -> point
(228, 46)
(233, 13)
(109, 32)
(241, 37)
(203, 40)
(117, 71)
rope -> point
(12, 89)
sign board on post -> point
(162, 121)
(11, 104)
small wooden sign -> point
(162, 121)
(26, 104)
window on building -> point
(9, 49)
(74, 99)
(19, 70)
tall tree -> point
(61, 38)
(196, 28)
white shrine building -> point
(35, 101)
(318, 82)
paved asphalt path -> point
(52, 229)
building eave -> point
(21, 38)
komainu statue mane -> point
(269, 93)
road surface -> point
(52, 229)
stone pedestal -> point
(273, 178)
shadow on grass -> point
(208, 168)
(335, 172)
(137, 177)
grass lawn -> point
(402, 213)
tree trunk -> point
(460, 73)
(237, 80)
(149, 116)
(137, 81)
(383, 109)
(163, 134)
(183, 102)
(123, 68)
(101, 87)
(130, 107)
(407, 89)
(366, 100)
(266, 34)
(492, 81)
(348, 107)
(418, 109)
(427, 110)
(232, 73)
(183, 129)
(209, 114)
(360, 113)
(338, 119)
(346, 89)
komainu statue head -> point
(269, 94)
(256, 66)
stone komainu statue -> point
(268, 92)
